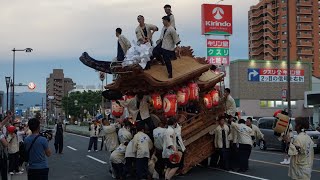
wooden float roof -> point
(185, 69)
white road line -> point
(279, 154)
(102, 162)
(239, 174)
(82, 136)
(72, 148)
(271, 163)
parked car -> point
(66, 122)
(271, 141)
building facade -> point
(1, 104)
(268, 31)
(257, 86)
(57, 87)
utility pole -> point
(288, 62)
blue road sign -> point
(253, 74)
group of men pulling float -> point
(164, 50)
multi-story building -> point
(1, 104)
(268, 29)
(57, 87)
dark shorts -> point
(170, 165)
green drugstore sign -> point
(217, 51)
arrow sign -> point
(253, 74)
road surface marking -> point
(102, 162)
(239, 174)
(271, 163)
(317, 159)
(72, 148)
(82, 136)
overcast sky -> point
(60, 30)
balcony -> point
(256, 44)
(305, 52)
(304, 11)
(270, 35)
(304, 43)
(256, 29)
(269, 26)
(268, 18)
(305, 4)
(255, 52)
(257, 36)
(257, 21)
(270, 43)
(256, 14)
(304, 36)
(305, 27)
(270, 51)
(303, 19)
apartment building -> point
(57, 86)
(268, 29)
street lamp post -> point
(13, 71)
(288, 62)
(7, 85)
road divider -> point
(72, 148)
(102, 162)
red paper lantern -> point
(193, 91)
(207, 101)
(170, 105)
(117, 110)
(156, 101)
(183, 96)
(215, 97)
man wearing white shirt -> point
(158, 134)
(142, 145)
(124, 133)
(222, 144)
(138, 108)
(169, 148)
(117, 159)
(130, 157)
(230, 103)
(245, 143)
(110, 135)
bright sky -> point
(60, 30)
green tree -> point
(87, 100)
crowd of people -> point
(21, 147)
(137, 150)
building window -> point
(276, 104)
(284, 8)
(284, 25)
(284, 41)
(284, 33)
(284, 17)
(283, 1)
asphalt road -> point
(76, 163)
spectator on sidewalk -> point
(38, 151)
(94, 133)
(3, 157)
(58, 139)
(13, 151)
